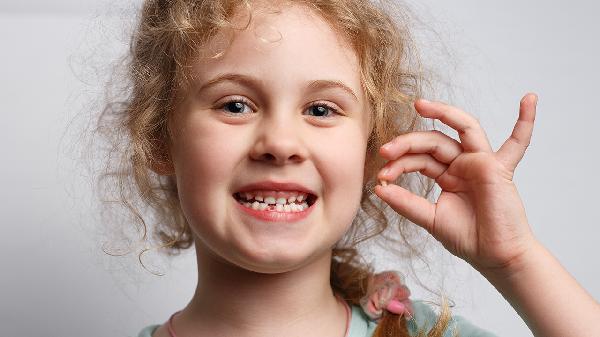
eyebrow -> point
(254, 82)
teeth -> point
(253, 197)
(261, 206)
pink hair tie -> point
(386, 291)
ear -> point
(161, 163)
(163, 168)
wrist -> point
(530, 257)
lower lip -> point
(274, 216)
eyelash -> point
(333, 109)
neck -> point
(233, 301)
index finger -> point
(470, 132)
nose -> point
(278, 141)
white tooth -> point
(262, 206)
(247, 204)
(300, 197)
(279, 207)
(269, 200)
(304, 205)
(295, 208)
(255, 205)
(259, 197)
(287, 208)
(292, 199)
(248, 195)
(281, 201)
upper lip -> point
(275, 186)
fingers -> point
(471, 134)
(439, 145)
(416, 209)
(423, 163)
(513, 150)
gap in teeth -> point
(297, 198)
(292, 204)
(261, 206)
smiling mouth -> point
(288, 202)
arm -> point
(480, 217)
(546, 296)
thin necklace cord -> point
(346, 306)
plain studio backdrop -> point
(54, 278)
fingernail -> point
(424, 100)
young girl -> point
(259, 131)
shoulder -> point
(148, 331)
(425, 318)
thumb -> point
(415, 208)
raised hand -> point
(479, 215)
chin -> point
(277, 262)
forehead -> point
(285, 47)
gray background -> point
(55, 281)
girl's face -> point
(266, 112)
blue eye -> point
(236, 106)
(323, 110)
(320, 110)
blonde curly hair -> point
(170, 33)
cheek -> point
(204, 160)
(342, 162)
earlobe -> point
(159, 161)
(163, 168)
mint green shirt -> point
(424, 318)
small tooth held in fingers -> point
(383, 182)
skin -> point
(480, 217)
(276, 136)
(285, 268)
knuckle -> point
(438, 133)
